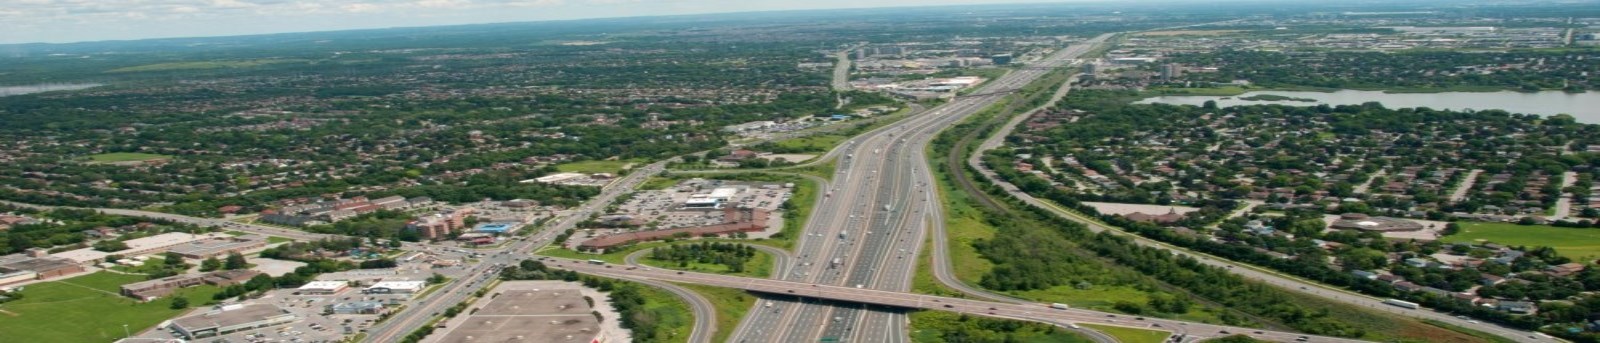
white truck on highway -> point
(836, 262)
(1402, 303)
(1060, 306)
(843, 234)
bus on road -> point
(597, 262)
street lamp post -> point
(125, 332)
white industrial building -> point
(400, 287)
(324, 287)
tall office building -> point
(1170, 71)
(1001, 59)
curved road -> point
(705, 314)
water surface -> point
(1583, 106)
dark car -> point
(949, 306)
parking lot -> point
(663, 209)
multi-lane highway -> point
(1025, 311)
(866, 232)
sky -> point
(61, 21)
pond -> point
(1583, 106)
(47, 87)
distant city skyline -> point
(64, 21)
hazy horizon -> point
(72, 21)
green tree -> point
(174, 260)
(210, 264)
(110, 246)
(235, 262)
(180, 303)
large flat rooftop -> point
(244, 314)
(217, 245)
(555, 315)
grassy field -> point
(675, 318)
(731, 305)
(656, 183)
(759, 266)
(87, 309)
(125, 157)
(591, 167)
(1475, 333)
(932, 327)
(1130, 335)
(812, 144)
(1578, 244)
(201, 65)
(963, 225)
(924, 282)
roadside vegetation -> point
(730, 304)
(709, 257)
(946, 327)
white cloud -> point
(41, 20)
(442, 3)
(232, 4)
(360, 7)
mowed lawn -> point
(125, 157)
(1575, 243)
(87, 309)
(1130, 335)
(813, 143)
(591, 167)
(759, 266)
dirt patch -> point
(1126, 209)
(792, 158)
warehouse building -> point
(35, 266)
(396, 287)
(231, 318)
(218, 246)
(139, 246)
(323, 287)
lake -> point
(49, 87)
(1583, 106)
